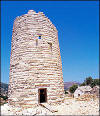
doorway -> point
(42, 95)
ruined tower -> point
(35, 62)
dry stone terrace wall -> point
(35, 63)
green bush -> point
(83, 84)
(73, 88)
(4, 97)
(95, 82)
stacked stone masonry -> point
(35, 61)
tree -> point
(83, 84)
(91, 82)
(73, 88)
(95, 82)
(88, 80)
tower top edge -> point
(34, 13)
(31, 12)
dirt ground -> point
(71, 106)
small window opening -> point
(42, 95)
(39, 37)
(50, 46)
(36, 42)
(78, 95)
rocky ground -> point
(71, 106)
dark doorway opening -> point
(42, 95)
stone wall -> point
(35, 63)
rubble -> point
(69, 107)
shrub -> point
(73, 88)
(95, 82)
(4, 97)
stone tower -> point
(35, 62)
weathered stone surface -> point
(70, 107)
(35, 62)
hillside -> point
(69, 84)
(4, 89)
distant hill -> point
(4, 89)
(67, 85)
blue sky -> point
(77, 23)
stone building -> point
(35, 62)
(96, 91)
(82, 90)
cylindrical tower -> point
(35, 62)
